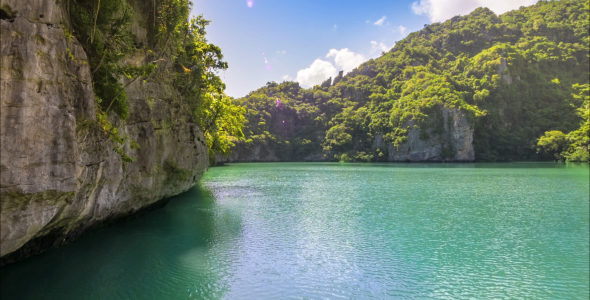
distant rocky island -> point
(477, 87)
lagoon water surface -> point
(330, 231)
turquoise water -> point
(352, 231)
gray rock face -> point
(338, 78)
(454, 143)
(257, 153)
(59, 174)
(450, 138)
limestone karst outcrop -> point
(59, 173)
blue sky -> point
(310, 40)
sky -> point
(309, 41)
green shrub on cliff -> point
(103, 29)
(195, 63)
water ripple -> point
(333, 231)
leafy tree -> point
(574, 145)
(103, 29)
(553, 142)
(196, 62)
(579, 139)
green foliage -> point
(84, 124)
(364, 157)
(574, 145)
(344, 158)
(195, 63)
(103, 29)
(579, 140)
(553, 142)
(338, 139)
(511, 75)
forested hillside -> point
(514, 77)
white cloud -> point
(320, 70)
(317, 72)
(441, 10)
(380, 21)
(282, 51)
(402, 29)
(335, 26)
(422, 8)
(367, 21)
(378, 47)
(287, 78)
(345, 59)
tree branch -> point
(104, 53)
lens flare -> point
(268, 67)
(250, 3)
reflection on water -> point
(167, 252)
(309, 230)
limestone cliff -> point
(59, 174)
(258, 153)
(453, 143)
(448, 138)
